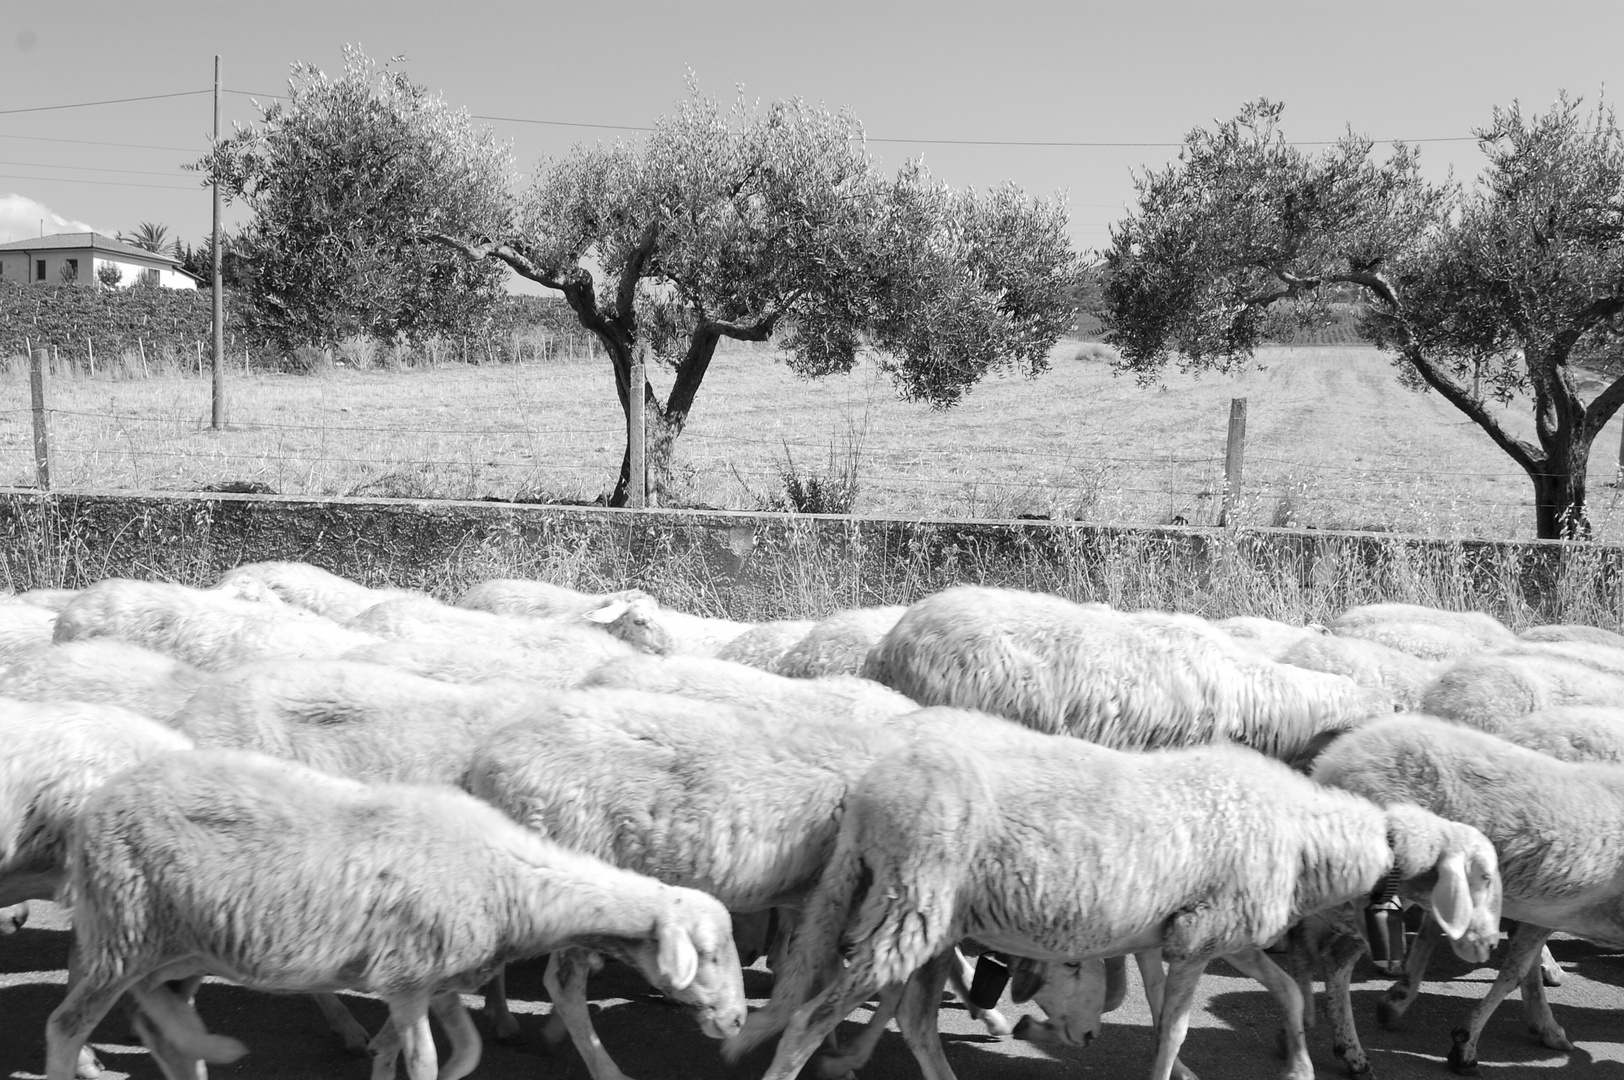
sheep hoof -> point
(837, 1067)
(996, 1024)
(1388, 1013)
(1459, 1063)
(1358, 1065)
(1182, 1071)
(87, 1068)
(13, 919)
(1550, 974)
(509, 1033)
(1553, 1038)
(554, 1033)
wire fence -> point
(516, 450)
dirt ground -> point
(1232, 1032)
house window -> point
(39, 269)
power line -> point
(99, 183)
(109, 101)
(86, 168)
(98, 142)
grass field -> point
(1333, 441)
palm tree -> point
(148, 235)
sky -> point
(1121, 83)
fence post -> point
(1233, 452)
(637, 472)
(42, 419)
(90, 349)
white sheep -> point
(538, 599)
(101, 670)
(1425, 632)
(304, 586)
(1268, 636)
(802, 700)
(1368, 663)
(279, 877)
(1129, 681)
(54, 599)
(56, 754)
(1573, 632)
(1558, 828)
(839, 644)
(1488, 691)
(1036, 845)
(210, 630)
(762, 645)
(24, 626)
(1577, 733)
(1593, 654)
(363, 721)
(482, 659)
(425, 619)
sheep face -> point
(1072, 995)
(692, 959)
(637, 624)
(1465, 896)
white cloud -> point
(20, 219)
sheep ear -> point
(678, 959)
(1025, 979)
(1451, 897)
(608, 613)
(1116, 981)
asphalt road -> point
(1232, 1033)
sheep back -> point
(839, 644)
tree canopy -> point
(1489, 288)
(344, 179)
(755, 220)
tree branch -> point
(630, 274)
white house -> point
(79, 257)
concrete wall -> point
(758, 565)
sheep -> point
(279, 877)
(1130, 681)
(839, 644)
(742, 803)
(212, 631)
(1577, 733)
(304, 586)
(56, 754)
(1558, 828)
(762, 645)
(538, 599)
(1268, 636)
(1488, 691)
(479, 660)
(1589, 653)
(1573, 632)
(1424, 632)
(53, 599)
(363, 721)
(1368, 663)
(421, 618)
(24, 626)
(101, 670)
(1036, 845)
(803, 700)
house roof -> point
(95, 241)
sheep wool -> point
(539, 599)
(1489, 691)
(304, 586)
(1132, 682)
(839, 644)
(762, 645)
(101, 670)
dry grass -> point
(1333, 441)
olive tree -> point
(1491, 290)
(751, 222)
(343, 179)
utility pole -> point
(218, 419)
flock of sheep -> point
(301, 784)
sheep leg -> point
(71, 1022)
(1154, 975)
(1173, 1019)
(960, 974)
(916, 1017)
(813, 1022)
(1341, 956)
(1526, 942)
(1402, 994)
(460, 1032)
(504, 1025)
(567, 971)
(835, 1062)
(13, 918)
(1255, 962)
(410, 1017)
(342, 1023)
(172, 1030)
(1537, 1009)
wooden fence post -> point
(637, 472)
(90, 350)
(1233, 452)
(38, 359)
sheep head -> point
(690, 957)
(1072, 995)
(1465, 873)
(637, 623)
